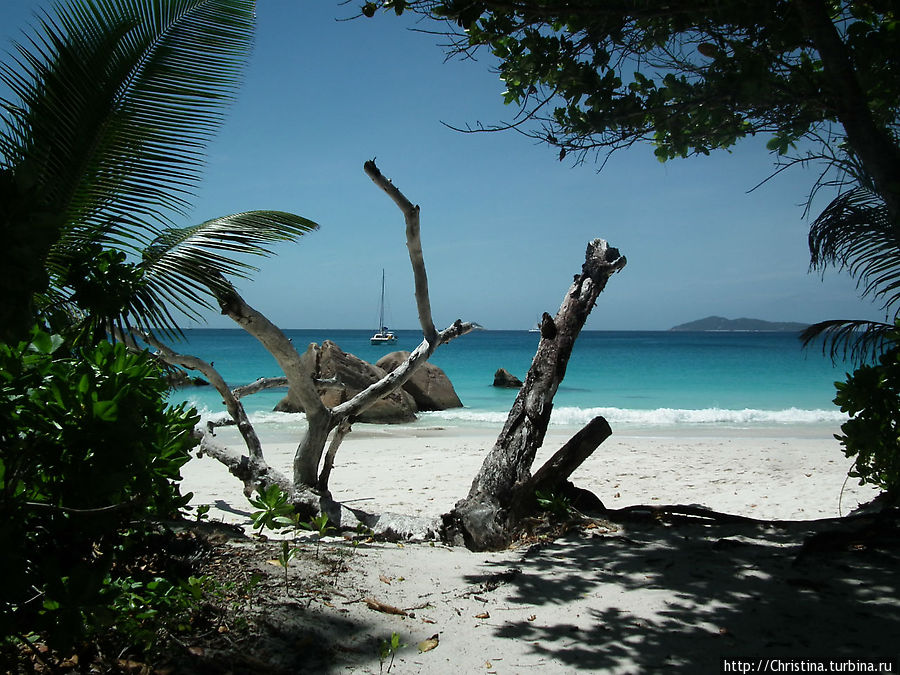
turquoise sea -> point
(636, 379)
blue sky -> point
(504, 224)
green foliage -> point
(146, 610)
(88, 448)
(275, 510)
(202, 512)
(553, 502)
(363, 535)
(81, 181)
(190, 265)
(389, 648)
(152, 80)
(855, 234)
(90, 185)
(318, 524)
(871, 396)
(285, 555)
(103, 285)
(690, 77)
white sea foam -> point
(573, 416)
(464, 416)
(268, 418)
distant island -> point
(718, 323)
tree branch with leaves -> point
(691, 77)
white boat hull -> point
(383, 338)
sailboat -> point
(382, 335)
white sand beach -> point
(617, 599)
(790, 473)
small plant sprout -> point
(363, 535)
(202, 512)
(275, 510)
(320, 525)
(553, 502)
(389, 648)
(287, 554)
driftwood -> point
(261, 384)
(234, 407)
(503, 490)
(308, 485)
(342, 430)
(299, 372)
(486, 519)
(563, 463)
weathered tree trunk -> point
(299, 371)
(307, 488)
(431, 337)
(502, 491)
(486, 519)
(234, 407)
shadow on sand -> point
(696, 594)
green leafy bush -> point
(275, 510)
(88, 450)
(871, 395)
(143, 609)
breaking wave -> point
(573, 416)
(270, 419)
(576, 417)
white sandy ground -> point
(621, 599)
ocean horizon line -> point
(507, 330)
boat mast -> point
(381, 306)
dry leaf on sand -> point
(429, 644)
(379, 606)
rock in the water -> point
(348, 375)
(429, 385)
(504, 378)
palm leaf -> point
(855, 233)
(849, 338)
(187, 267)
(117, 100)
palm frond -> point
(856, 234)
(117, 101)
(187, 267)
(852, 339)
